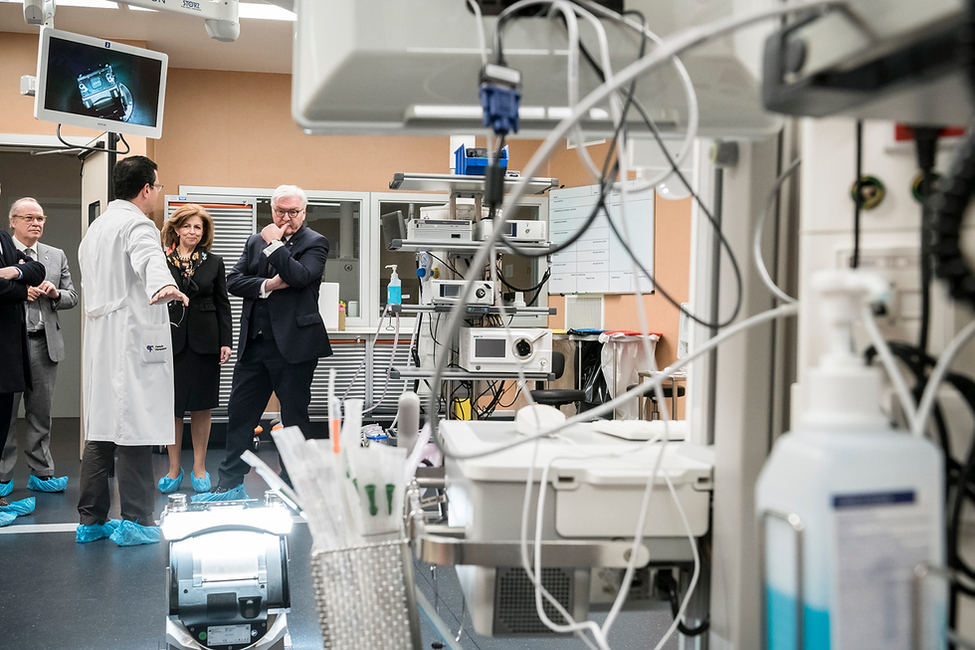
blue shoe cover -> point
(19, 508)
(234, 494)
(201, 484)
(6, 518)
(95, 531)
(6, 488)
(130, 533)
(167, 485)
(50, 485)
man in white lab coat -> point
(127, 360)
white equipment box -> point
(505, 349)
(589, 496)
(452, 230)
(464, 209)
(447, 292)
(518, 230)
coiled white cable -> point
(693, 109)
(670, 47)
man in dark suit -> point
(16, 274)
(46, 348)
(282, 334)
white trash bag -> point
(623, 358)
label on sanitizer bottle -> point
(880, 538)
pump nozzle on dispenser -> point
(842, 390)
(843, 294)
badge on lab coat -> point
(156, 342)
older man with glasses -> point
(282, 334)
(17, 274)
(46, 347)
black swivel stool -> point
(668, 392)
(556, 397)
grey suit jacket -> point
(57, 273)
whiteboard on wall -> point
(597, 261)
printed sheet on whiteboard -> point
(597, 261)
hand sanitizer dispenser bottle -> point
(394, 291)
(857, 504)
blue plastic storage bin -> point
(474, 166)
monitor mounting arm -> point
(219, 16)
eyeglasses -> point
(158, 186)
(291, 213)
(29, 218)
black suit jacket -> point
(207, 324)
(295, 320)
(15, 376)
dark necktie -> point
(33, 308)
(264, 267)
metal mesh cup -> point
(364, 597)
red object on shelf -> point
(904, 133)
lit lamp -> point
(228, 574)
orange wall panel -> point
(235, 129)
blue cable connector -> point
(500, 96)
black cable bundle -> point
(959, 476)
(926, 142)
(949, 206)
(667, 583)
(950, 264)
(609, 173)
(537, 288)
(957, 190)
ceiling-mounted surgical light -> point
(221, 19)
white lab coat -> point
(127, 358)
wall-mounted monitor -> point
(98, 84)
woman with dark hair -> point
(201, 336)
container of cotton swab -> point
(316, 503)
(365, 590)
(379, 488)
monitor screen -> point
(89, 82)
(490, 348)
(393, 225)
(450, 290)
